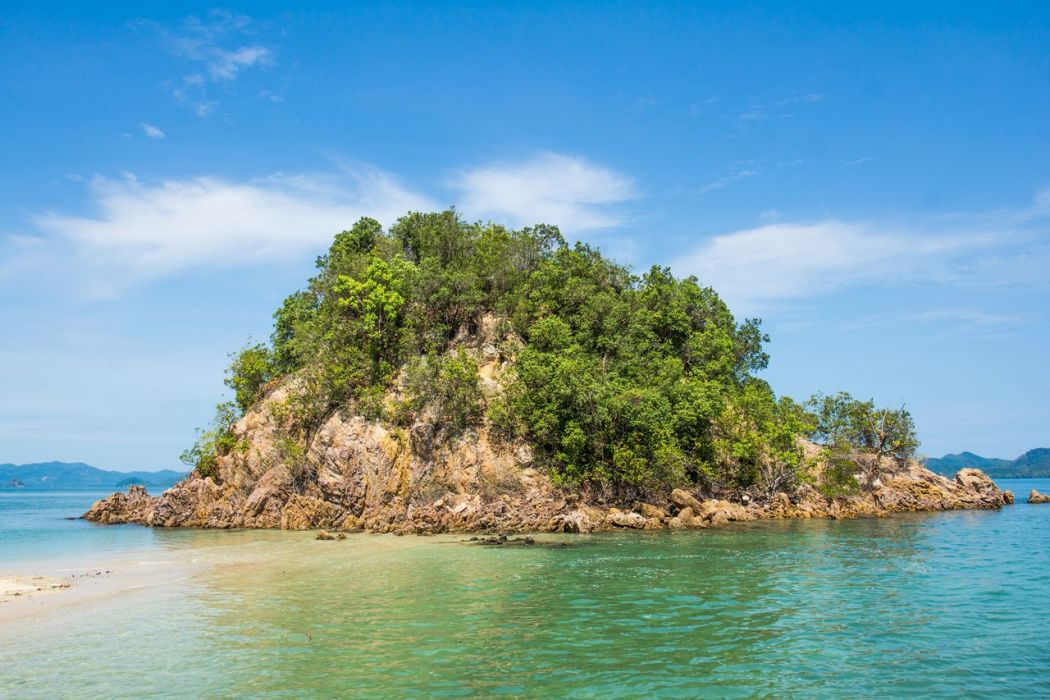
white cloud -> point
(552, 188)
(218, 44)
(143, 230)
(755, 267)
(153, 132)
(225, 65)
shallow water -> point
(942, 605)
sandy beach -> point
(13, 587)
(29, 595)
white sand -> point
(32, 595)
(12, 587)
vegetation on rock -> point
(623, 381)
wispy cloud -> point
(792, 261)
(143, 230)
(221, 45)
(554, 188)
(739, 171)
(759, 267)
(856, 161)
(758, 112)
(971, 316)
(965, 318)
(153, 132)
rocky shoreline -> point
(199, 502)
(359, 474)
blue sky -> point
(870, 179)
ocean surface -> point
(925, 605)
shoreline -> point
(60, 585)
(201, 502)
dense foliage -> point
(620, 380)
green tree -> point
(629, 382)
(250, 370)
(212, 442)
(870, 435)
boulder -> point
(973, 479)
(683, 499)
(134, 507)
(717, 512)
(650, 511)
(1008, 498)
(618, 518)
(1036, 497)
(573, 521)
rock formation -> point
(1036, 497)
(361, 474)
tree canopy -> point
(623, 380)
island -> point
(447, 376)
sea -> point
(939, 605)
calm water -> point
(941, 605)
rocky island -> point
(452, 377)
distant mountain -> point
(1032, 464)
(949, 464)
(77, 475)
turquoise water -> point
(37, 525)
(931, 605)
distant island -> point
(77, 475)
(1033, 464)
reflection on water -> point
(932, 605)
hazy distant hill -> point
(76, 475)
(1034, 463)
